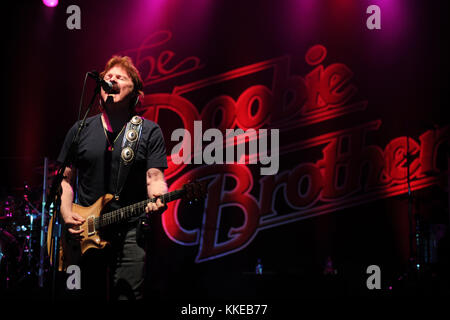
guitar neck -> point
(134, 210)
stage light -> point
(50, 3)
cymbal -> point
(6, 236)
(52, 168)
(27, 187)
(10, 204)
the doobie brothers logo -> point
(347, 172)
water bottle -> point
(259, 267)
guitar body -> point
(71, 250)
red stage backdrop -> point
(349, 101)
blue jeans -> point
(118, 272)
(128, 269)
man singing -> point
(98, 164)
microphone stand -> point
(56, 192)
(412, 255)
(42, 231)
(415, 232)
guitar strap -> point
(130, 145)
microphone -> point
(106, 85)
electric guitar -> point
(71, 250)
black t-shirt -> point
(98, 167)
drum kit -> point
(20, 234)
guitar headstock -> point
(195, 190)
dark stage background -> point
(382, 85)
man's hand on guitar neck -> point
(156, 207)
